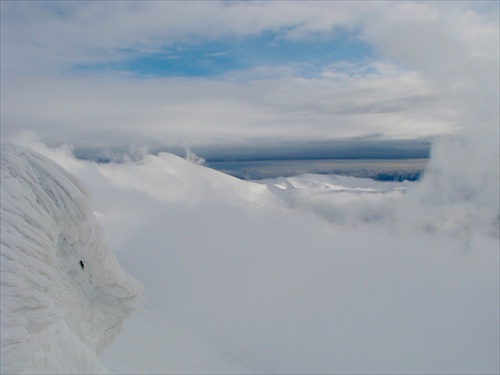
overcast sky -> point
(109, 74)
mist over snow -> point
(303, 274)
(322, 274)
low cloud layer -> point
(320, 274)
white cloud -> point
(99, 111)
(457, 49)
(51, 35)
(279, 289)
(444, 51)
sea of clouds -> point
(322, 274)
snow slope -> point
(310, 274)
(64, 295)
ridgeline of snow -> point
(64, 295)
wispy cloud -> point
(123, 111)
(107, 74)
(85, 32)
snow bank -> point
(64, 295)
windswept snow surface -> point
(63, 294)
(308, 274)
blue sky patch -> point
(213, 58)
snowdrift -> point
(64, 295)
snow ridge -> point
(64, 295)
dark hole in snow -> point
(81, 264)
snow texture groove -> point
(64, 295)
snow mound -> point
(64, 295)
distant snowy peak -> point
(64, 294)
